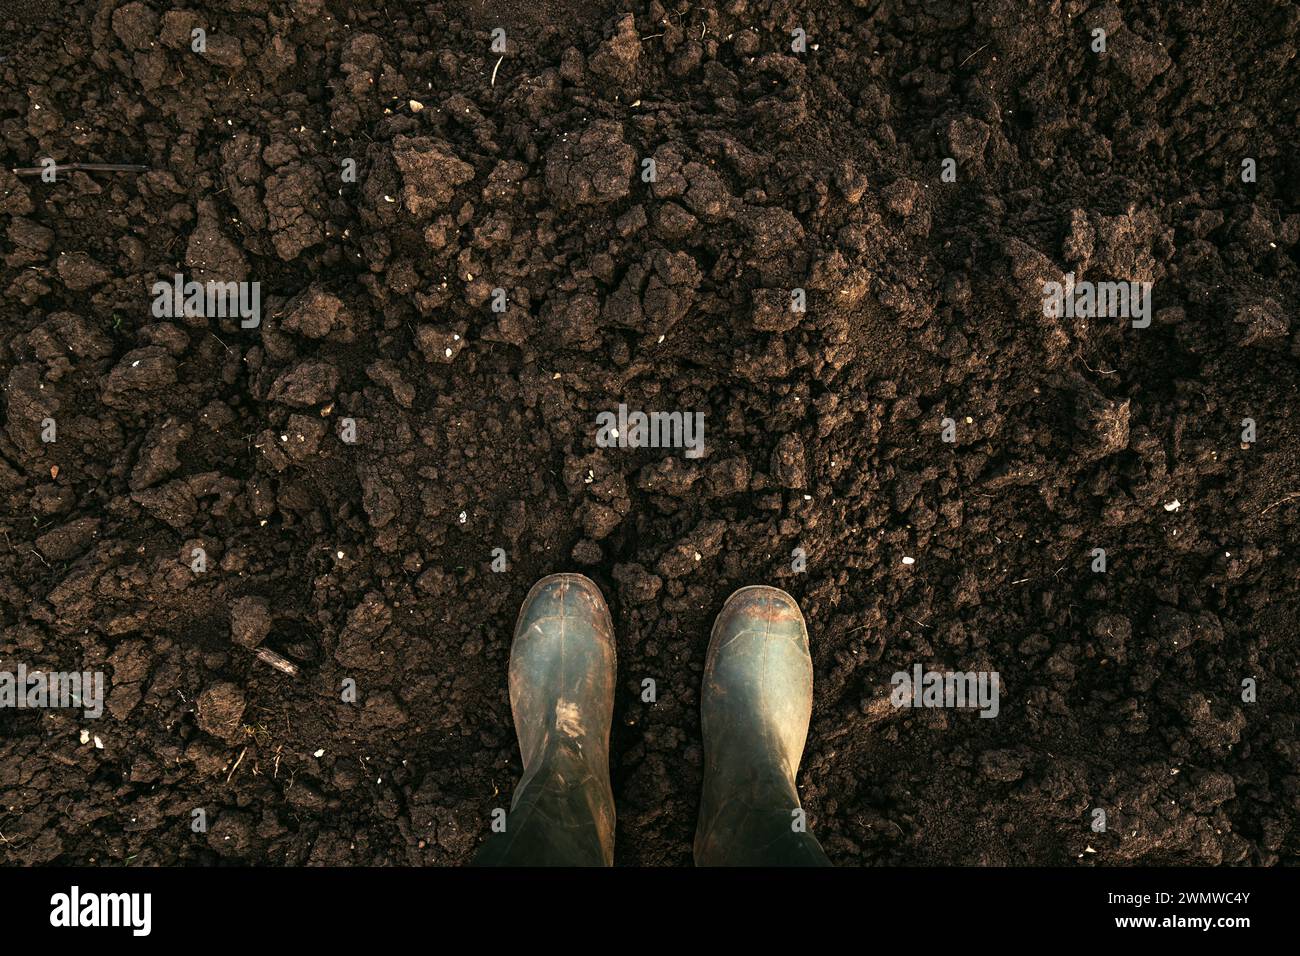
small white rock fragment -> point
(907, 560)
(319, 753)
(1173, 505)
(99, 744)
(85, 736)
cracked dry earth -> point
(774, 170)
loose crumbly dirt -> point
(522, 171)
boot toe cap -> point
(759, 612)
(572, 598)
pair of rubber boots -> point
(756, 703)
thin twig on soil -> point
(268, 656)
(971, 57)
(237, 763)
(1097, 371)
(82, 167)
(1281, 501)
(494, 70)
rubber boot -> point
(755, 703)
(562, 666)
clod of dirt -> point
(967, 137)
(379, 500)
(317, 314)
(637, 585)
(220, 711)
(294, 201)
(618, 57)
(1003, 766)
(430, 173)
(438, 345)
(211, 256)
(1266, 324)
(136, 25)
(594, 166)
(789, 462)
(250, 620)
(141, 380)
(587, 552)
(158, 456)
(308, 383)
(80, 272)
(68, 541)
(772, 311)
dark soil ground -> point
(476, 429)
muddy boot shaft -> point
(562, 668)
(755, 702)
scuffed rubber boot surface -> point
(562, 669)
(756, 702)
